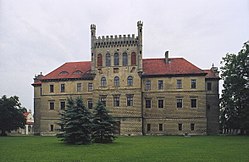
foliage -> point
(11, 115)
(128, 149)
(235, 95)
(104, 126)
(75, 123)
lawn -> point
(127, 149)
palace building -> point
(158, 96)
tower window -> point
(209, 86)
(103, 81)
(116, 59)
(99, 60)
(133, 59)
(108, 60)
(116, 81)
(125, 59)
(129, 81)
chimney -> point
(167, 57)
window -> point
(116, 81)
(178, 83)
(133, 59)
(51, 88)
(102, 99)
(160, 84)
(62, 87)
(79, 87)
(180, 126)
(147, 85)
(90, 104)
(160, 103)
(209, 86)
(129, 81)
(90, 87)
(108, 60)
(116, 59)
(193, 103)
(51, 105)
(179, 102)
(103, 81)
(62, 105)
(148, 127)
(129, 100)
(147, 103)
(192, 126)
(51, 128)
(193, 83)
(125, 59)
(160, 127)
(99, 59)
(116, 101)
(208, 107)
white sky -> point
(40, 35)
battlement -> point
(115, 41)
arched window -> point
(133, 59)
(116, 81)
(116, 59)
(125, 59)
(129, 81)
(103, 81)
(99, 60)
(108, 60)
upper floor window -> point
(129, 100)
(160, 103)
(147, 103)
(99, 59)
(193, 103)
(62, 87)
(179, 102)
(129, 81)
(90, 87)
(116, 81)
(108, 60)
(103, 81)
(62, 105)
(116, 101)
(209, 86)
(51, 88)
(79, 87)
(51, 105)
(160, 84)
(125, 59)
(116, 59)
(148, 85)
(133, 59)
(178, 83)
(193, 83)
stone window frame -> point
(129, 100)
(130, 81)
(90, 87)
(125, 59)
(179, 84)
(99, 60)
(160, 105)
(192, 126)
(78, 87)
(193, 84)
(51, 104)
(146, 105)
(194, 102)
(116, 100)
(64, 106)
(116, 59)
(108, 60)
(160, 84)
(89, 103)
(102, 99)
(103, 81)
(147, 85)
(180, 126)
(62, 87)
(148, 127)
(116, 81)
(51, 88)
(160, 127)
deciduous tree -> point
(11, 114)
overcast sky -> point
(40, 35)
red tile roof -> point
(211, 74)
(176, 66)
(69, 70)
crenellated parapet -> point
(116, 41)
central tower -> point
(116, 62)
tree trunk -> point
(3, 133)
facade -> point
(166, 95)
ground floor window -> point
(160, 127)
(180, 126)
(148, 127)
(192, 126)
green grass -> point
(127, 149)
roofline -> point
(172, 75)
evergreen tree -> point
(76, 125)
(104, 126)
(235, 95)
